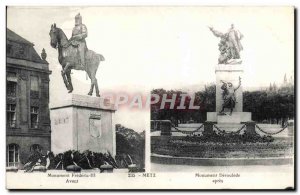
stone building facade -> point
(27, 100)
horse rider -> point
(79, 34)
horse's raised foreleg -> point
(68, 74)
(65, 79)
(66, 68)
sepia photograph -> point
(57, 121)
(232, 105)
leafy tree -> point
(271, 105)
(130, 143)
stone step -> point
(235, 117)
(190, 125)
(229, 127)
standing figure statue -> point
(228, 96)
(79, 34)
(73, 54)
(230, 45)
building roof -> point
(30, 54)
(12, 36)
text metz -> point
(142, 175)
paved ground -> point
(186, 168)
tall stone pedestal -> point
(83, 123)
(229, 74)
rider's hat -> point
(78, 17)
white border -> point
(3, 4)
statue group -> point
(228, 96)
(229, 46)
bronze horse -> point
(69, 59)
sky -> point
(161, 47)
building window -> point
(11, 85)
(13, 155)
(34, 117)
(11, 89)
(11, 115)
(34, 86)
(36, 148)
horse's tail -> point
(101, 58)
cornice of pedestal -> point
(76, 100)
(229, 68)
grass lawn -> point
(177, 146)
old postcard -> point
(157, 97)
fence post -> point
(165, 128)
(290, 128)
(208, 128)
(250, 128)
(152, 125)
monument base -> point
(234, 118)
(81, 122)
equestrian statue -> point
(74, 54)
